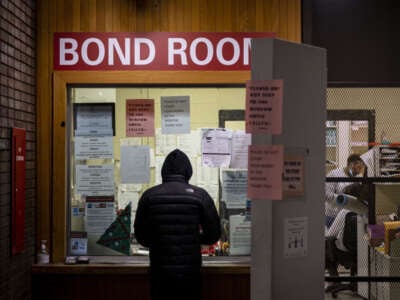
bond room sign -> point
(217, 51)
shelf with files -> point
(388, 161)
(331, 136)
(331, 145)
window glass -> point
(118, 140)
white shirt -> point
(337, 229)
(369, 160)
(332, 188)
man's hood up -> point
(176, 163)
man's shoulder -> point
(196, 188)
(339, 172)
(201, 192)
(151, 190)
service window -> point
(118, 140)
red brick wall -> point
(17, 109)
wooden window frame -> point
(61, 80)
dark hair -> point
(354, 158)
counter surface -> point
(107, 265)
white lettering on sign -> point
(85, 51)
(125, 57)
(162, 51)
(151, 48)
(246, 51)
(193, 51)
(68, 47)
(179, 50)
(236, 51)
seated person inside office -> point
(343, 198)
(355, 168)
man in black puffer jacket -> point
(173, 220)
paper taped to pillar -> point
(295, 242)
(265, 172)
(264, 106)
(293, 176)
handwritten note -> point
(265, 172)
(293, 176)
(139, 117)
(264, 106)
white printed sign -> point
(295, 237)
(175, 114)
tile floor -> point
(345, 295)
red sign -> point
(220, 51)
(264, 106)
(139, 117)
(265, 168)
(18, 190)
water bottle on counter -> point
(43, 257)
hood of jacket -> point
(176, 163)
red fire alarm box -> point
(18, 190)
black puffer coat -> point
(168, 221)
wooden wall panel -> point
(283, 22)
(101, 19)
(43, 122)
(76, 11)
(131, 286)
(280, 16)
(174, 15)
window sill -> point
(140, 265)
